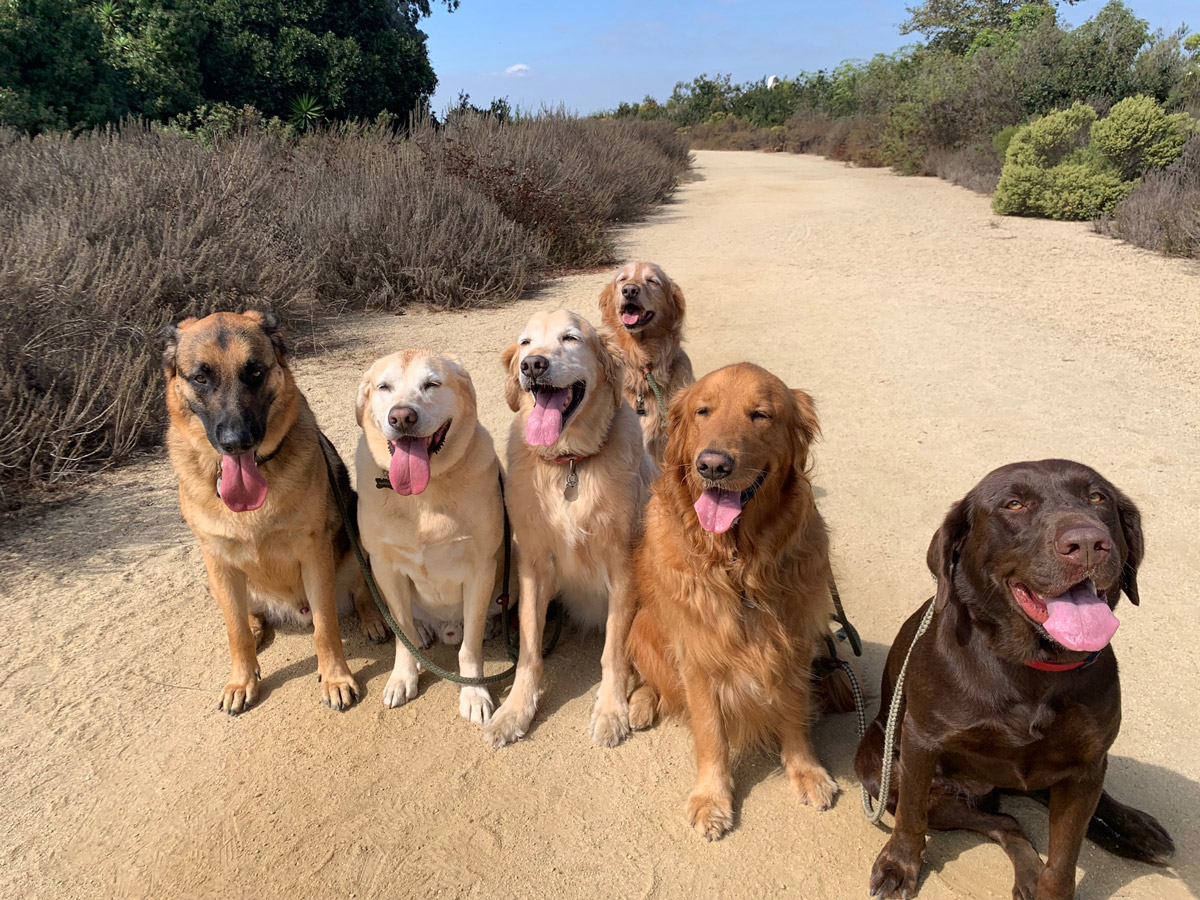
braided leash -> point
(352, 533)
(662, 404)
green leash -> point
(381, 605)
(662, 404)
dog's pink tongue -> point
(718, 509)
(242, 486)
(409, 469)
(1080, 620)
(544, 424)
(630, 318)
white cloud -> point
(518, 70)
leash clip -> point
(641, 403)
(572, 477)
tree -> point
(954, 25)
(356, 58)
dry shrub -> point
(107, 237)
(976, 167)
(732, 133)
(566, 179)
(1163, 211)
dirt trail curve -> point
(939, 342)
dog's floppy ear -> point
(678, 300)
(675, 459)
(273, 328)
(944, 549)
(512, 382)
(808, 428)
(364, 394)
(608, 301)
(1135, 546)
(611, 364)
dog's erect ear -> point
(1135, 545)
(270, 324)
(611, 364)
(170, 338)
(512, 382)
(945, 547)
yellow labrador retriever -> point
(578, 480)
(430, 512)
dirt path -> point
(939, 342)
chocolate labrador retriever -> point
(1014, 686)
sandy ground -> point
(939, 341)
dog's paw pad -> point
(475, 704)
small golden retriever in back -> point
(643, 309)
(733, 573)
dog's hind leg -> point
(1125, 831)
(948, 813)
(352, 587)
(657, 683)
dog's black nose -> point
(233, 439)
(1083, 545)
(402, 416)
(534, 366)
(630, 291)
(714, 464)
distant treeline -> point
(960, 105)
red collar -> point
(1043, 666)
(565, 460)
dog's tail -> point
(831, 681)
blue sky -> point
(592, 55)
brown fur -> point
(657, 345)
(290, 553)
(728, 623)
(576, 543)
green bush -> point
(1138, 135)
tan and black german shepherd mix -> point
(254, 489)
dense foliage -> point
(70, 64)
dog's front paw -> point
(609, 724)
(339, 690)
(895, 872)
(400, 688)
(475, 703)
(815, 787)
(509, 723)
(372, 625)
(239, 694)
(710, 812)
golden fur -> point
(575, 543)
(436, 554)
(291, 554)
(656, 345)
(728, 622)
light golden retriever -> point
(733, 576)
(254, 489)
(578, 478)
(430, 512)
(644, 310)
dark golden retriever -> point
(733, 574)
(254, 489)
(643, 309)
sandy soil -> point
(939, 341)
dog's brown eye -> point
(1014, 504)
(758, 415)
(702, 411)
(570, 337)
(383, 386)
(200, 378)
(430, 385)
(1096, 497)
